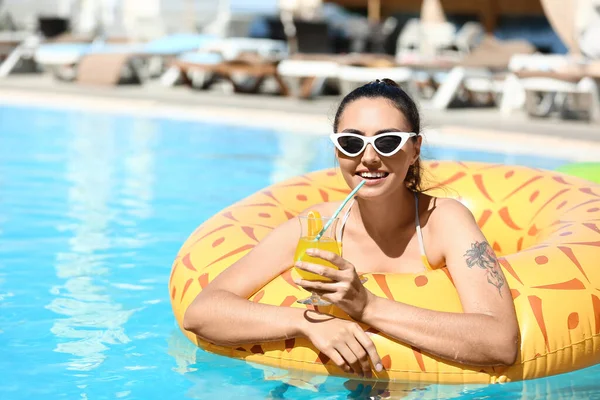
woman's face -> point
(383, 175)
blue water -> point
(93, 209)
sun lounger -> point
(306, 76)
(62, 57)
(172, 45)
(225, 50)
(362, 69)
(566, 93)
(51, 54)
(28, 49)
(180, 70)
(10, 40)
(481, 71)
(16, 49)
(409, 38)
(112, 68)
(544, 84)
(231, 48)
(436, 38)
(307, 73)
(247, 65)
(427, 71)
(468, 37)
(432, 48)
(352, 77)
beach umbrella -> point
(561, 15)
(374, 10)
(570, 19)
(432, 12)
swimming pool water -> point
(93, 209)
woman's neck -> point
(386, 217)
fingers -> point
(318, 286)
(357, 350)
(370, 348)
(327, 272)
(362, 358)
(338, 360)
(333, 258)
(351, 358)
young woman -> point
(392, 226)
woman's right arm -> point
(221, 313)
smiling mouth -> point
(372, 175)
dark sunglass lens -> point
(351, 144)
(387, 144)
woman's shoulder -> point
(446, 211)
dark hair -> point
(391, 91)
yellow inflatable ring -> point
(544, 225)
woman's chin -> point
(370, 193)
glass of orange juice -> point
(310, 226)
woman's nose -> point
(370, 156)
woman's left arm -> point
(485, 334)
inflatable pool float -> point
(545, 226)
(585, 170)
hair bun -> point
(385, 81)
(390, 82)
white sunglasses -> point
(386, 144)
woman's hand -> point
(344, 342)
(345, 289)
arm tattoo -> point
(482, 255)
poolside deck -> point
(473, 128)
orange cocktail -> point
(310, 226)
(308, 242)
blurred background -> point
(532, 55)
